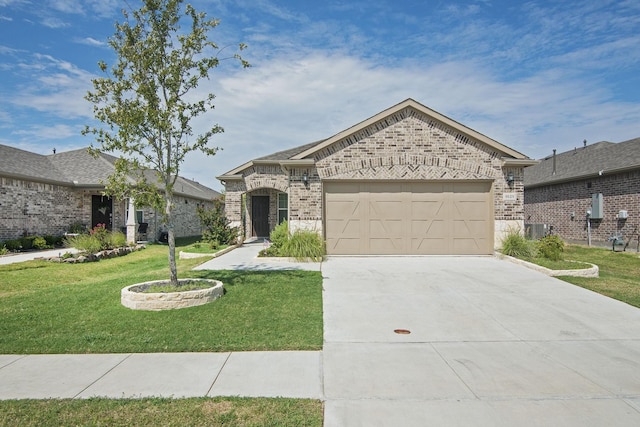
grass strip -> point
(163, 412)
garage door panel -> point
(409, 218)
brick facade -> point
(34, 208)
(564, 206)
(405, 145)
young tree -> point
(147, 102)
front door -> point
(260, 216)
(101, 211)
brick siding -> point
(554, 204)
(407, 145)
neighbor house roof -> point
(593, 160)
(78, 168)
(303, 154)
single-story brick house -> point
(408, 180)
(602, 178)
(46, 194)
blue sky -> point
(534, 75)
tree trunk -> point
(172, 243)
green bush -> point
(216, 226)
(26, 243)
(115, 239)
(53, 241)
(551, 247)
(516, 245)
(279, 237)
(3, 250)
(40, 243)
(77, 228)
(84, 243)
(13, 245)
(304, 244)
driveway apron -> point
(417, 341)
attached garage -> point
(415, 218)
(406, 181)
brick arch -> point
(278, 183)
(408, 166)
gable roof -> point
(303, 153)
(584, 162)
(78, 168)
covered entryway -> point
(260, 216)
(416, 218)
(102, 211)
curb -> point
(593, 271)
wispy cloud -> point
(90, 41)
(57, 131)
(53, 22)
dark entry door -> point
(101, 211)
(260, 216)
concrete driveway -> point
(491, 344)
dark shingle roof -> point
(287, 154)
(24, 164)
(592, 160)
(78, 168)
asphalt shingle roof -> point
(78, 168)
(289, 153)
(595, 159)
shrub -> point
(3, 250)
(77, 228)
(13, 245)
(216, 226)
(214, 244)
(53, 241)
(279, 237)
(304, 244)
(115, 239)
(84, 243)
(551, 247)
(26, 243)
(40, 243)
(516, 245)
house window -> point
(283, 207)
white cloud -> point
(58, 131)
(54, 22)
(90, 41)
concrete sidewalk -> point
(295, 374)
(246, 257)
(30, 256)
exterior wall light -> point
(510, 179)
(305, 178)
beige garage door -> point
(423, 218)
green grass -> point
(59, 308)
(164, 412)
(619, 272)
(203, 248)
(557, 265)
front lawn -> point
(162, 412)
(59, 308)
(619, 272)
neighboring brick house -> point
(603, 178)
(44, 195)
(405, 181)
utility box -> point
(597, 211)
(623, 214)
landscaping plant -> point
(215, 226)
(550, 247)
(515, 244)
(147, 102)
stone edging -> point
(170, 300)
(189, 255)
(592, 271)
